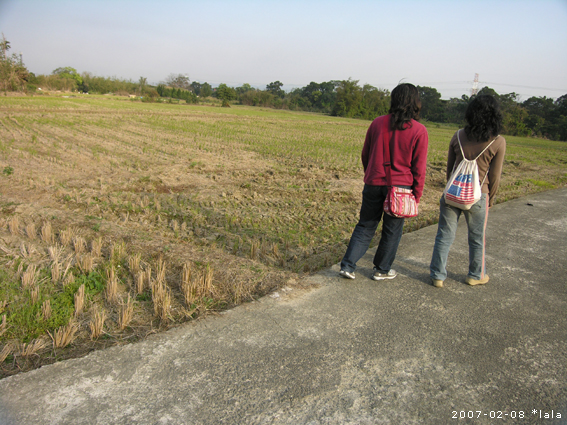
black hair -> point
(405, 105)
(484, 119)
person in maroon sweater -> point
(408, 157)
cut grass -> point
(164, 212)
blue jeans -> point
(476, 219)
(371, 213)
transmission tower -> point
(474, 89)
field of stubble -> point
(120, 218)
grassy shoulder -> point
(120, 218)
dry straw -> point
(26, 251)
(3, 325)
(46, 310)
(69, 278)
(253, 250)
(55, 272)
(85, 262)
(6, 351)
(126, 313)
(187, 286)
(96, 324)
(162, 300)
(66, 272)
(34, 294)
(148, 273)
(160, 270)
(96, 247)
(20, 271)
(6, 250)
(161, 297)
(55, 252)
(79, 300)
(29, 277)
(111, 291)
(66, 236)
(31, 231)
(276, 250)
(79, 245)
(207, 282)
(117, 251)
(134, 264)
(33, 347)
(140, 282)
(46, 232)
(14, 225)
(64, 335)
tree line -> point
(536, 116)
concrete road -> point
(348, 352)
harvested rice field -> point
(119, 219)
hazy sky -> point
(514, 45)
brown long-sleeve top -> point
(491, 160)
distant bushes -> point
(103, 85)
(260, 98)
(14, 75)
(173, 93)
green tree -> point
(489, 91)
(189, 97)
(275, 88)
(71, 74)
(432, 107)
(142, 82)
(206, 90)
(559, 119)
(256, 97)
(349, 99)
(514, 115)
(244, 88)
(225, 93)
(374, 102)
(455, 110)
(317, 96)
(196, 87)
(541, 114)
(13, 74)
(561, 105)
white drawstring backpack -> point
(463, 189)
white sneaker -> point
(383, 276)
(346, 274)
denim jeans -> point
(371, 212)
(476, 219)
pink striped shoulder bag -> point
(400, 202)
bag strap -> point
(388, 160)
(478, 156)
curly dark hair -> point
(405, 105)
(484, 119)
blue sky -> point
(514, 45)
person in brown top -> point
(484, 123)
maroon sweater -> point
(408, 152)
